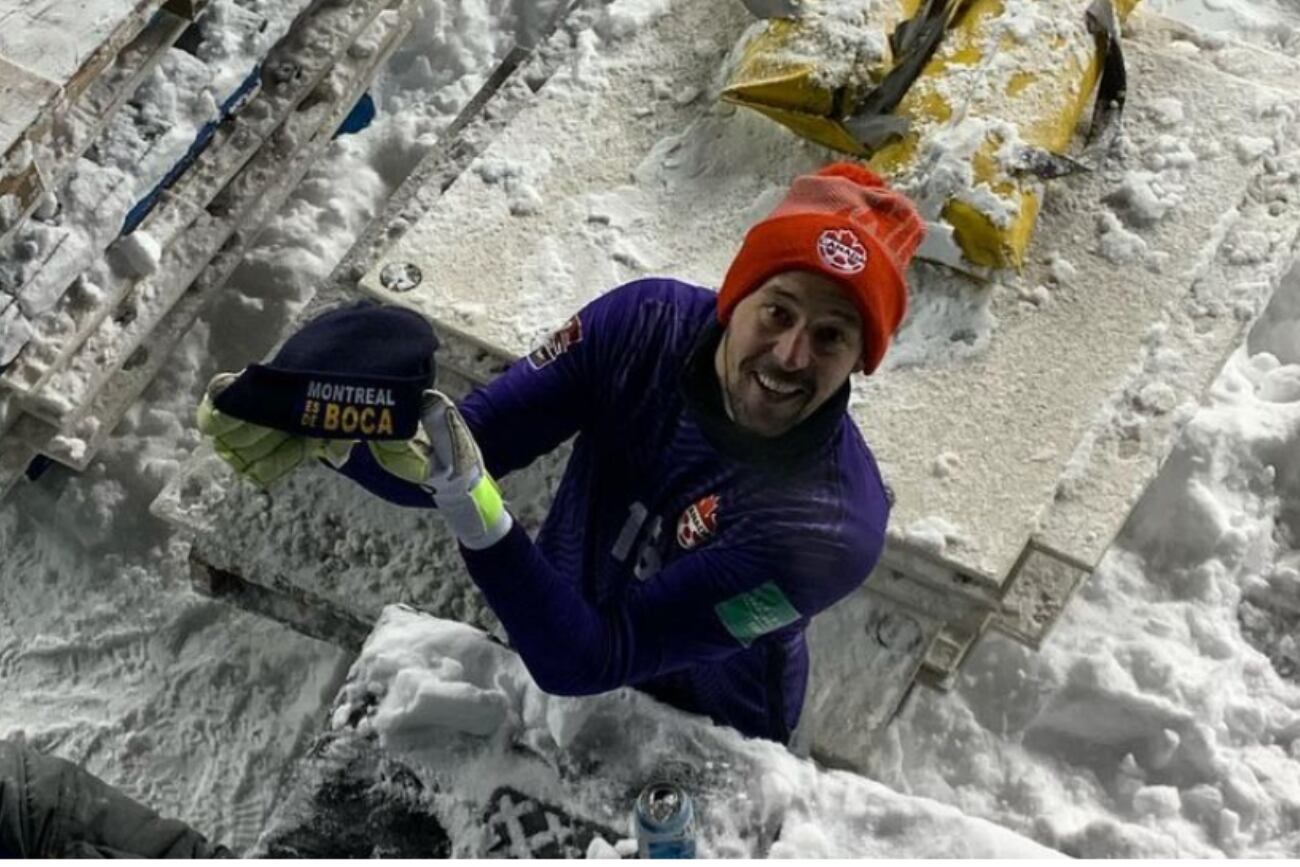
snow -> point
(598, 848)
(71, 229)
(1273, 24)
(1144, 198)
(107, 655)
(854, 35)
(1117, 243)
(480, 720)
(139, 253)
(1161, 718)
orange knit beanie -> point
(844, 223)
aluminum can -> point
(665, 822)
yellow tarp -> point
(784, 71)
(1028, 74)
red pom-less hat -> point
(846, 224)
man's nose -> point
(793, 349)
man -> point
(718, 495)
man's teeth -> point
(778, 387)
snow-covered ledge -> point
(461, 712)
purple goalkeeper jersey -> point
(682, 555)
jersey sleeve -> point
(559, 388)
(701, 608)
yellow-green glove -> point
(408, 460)
(260, 454)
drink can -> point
(665, 822)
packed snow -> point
(464, 713)
(1161, 718)
(68, 232)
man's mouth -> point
(775, 389)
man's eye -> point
(832, 338)
(776, 314)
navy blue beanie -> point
(354, 372)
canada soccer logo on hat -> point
(698, 523)
(841, 251)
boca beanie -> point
(355, 372)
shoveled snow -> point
(463, 712)
(1161, 718)
(139, 253)
(1153, 723)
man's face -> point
(789, 346)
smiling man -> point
(718, 494)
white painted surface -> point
(54, 39)
(24, 97)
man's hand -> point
(260, 454)
(467, 496)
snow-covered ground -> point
(1161, 718)
(107, 657)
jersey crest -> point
(698, 523)
(557, 344)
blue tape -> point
(361, 116)
(37, 467)
(232, 104)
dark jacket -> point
(50, 808)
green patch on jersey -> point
(752, 615)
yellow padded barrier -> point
(987, 73)
(1020, 72)
(785, 71)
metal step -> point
(291, 71)
(68, 136)
(252, 198)
(242, 180)
(51, 55)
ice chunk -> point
(1167, 111)
(1117, 244)
(424, 699)
(137, 254)
(599, 848)
(1250, 148)
(15, 331)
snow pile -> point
(109, 659)
(620, 20)
(1163, 716)
(1272, 24)
(1144, 198)
(1118, 244)
(138, 254)
(462, 710)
